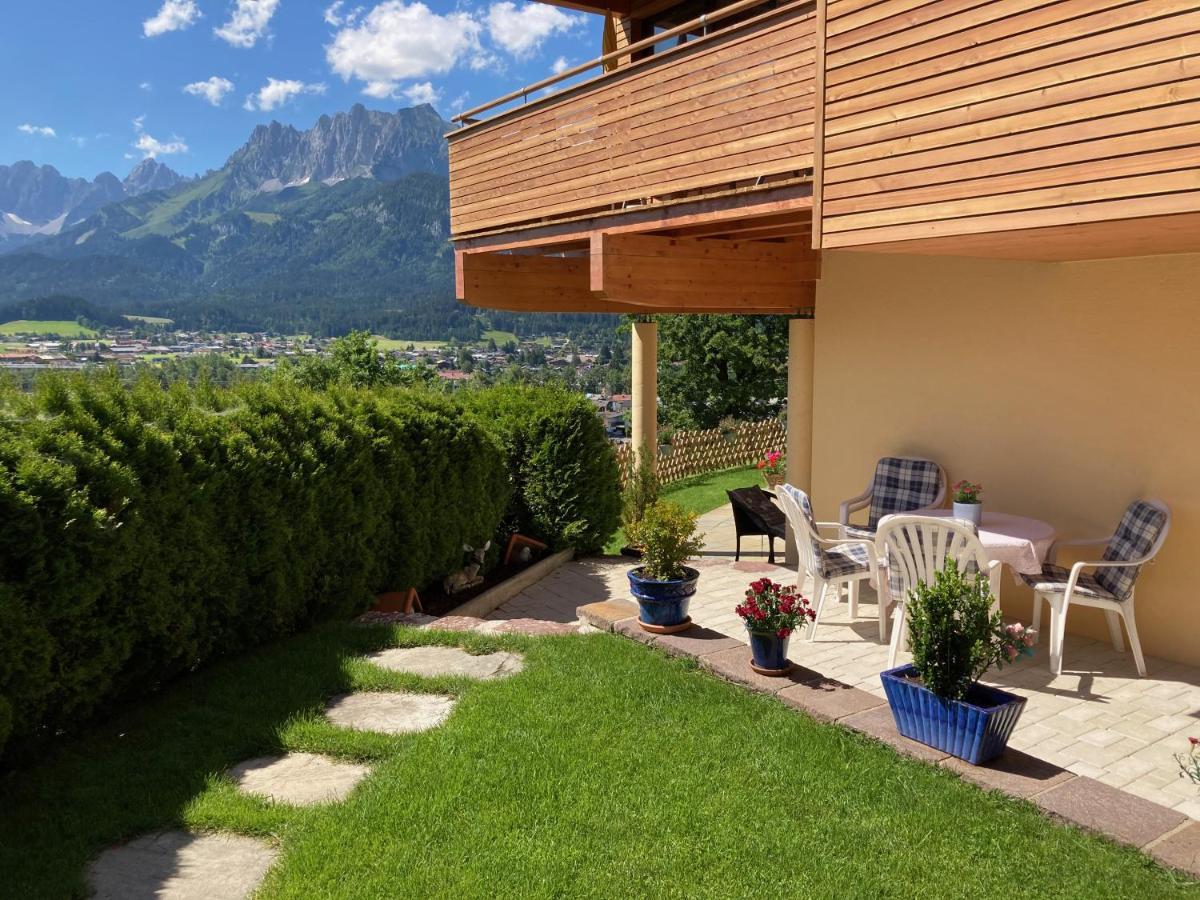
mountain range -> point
(36, 201)
(344, 225)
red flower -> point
(783, 632)
(1195, 742)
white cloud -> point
(39, 130)
(424, 92)
(175, 15)
(152, 147)
(213, 90)
(460, 101)
(146, 86)
(396, 41)
(560, 65)
(247, 22)
(276, 93)
(78, 141)
(335, 17)
(521, 30)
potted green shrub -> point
(956, 638)
(666, 441)
(771, 612)
(662, 585)
(640, 492)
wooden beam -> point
(530, 283)
(704, 275)
(732, 206)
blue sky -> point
(91, 85)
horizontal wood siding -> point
(733, 106)
(969, 117)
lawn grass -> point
(149, 320)
(698, 494)
(500, 337)
(42, 327)
(389, 344)
(604, 769)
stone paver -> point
(389, 713)
(696, 641)
(1180, 849)
(604, 614)
(301, 779)
(1097, 806)
(879, 723)
(1015, 773)
(828, 700)
(734, 665)
(434, 661)
(176, 865)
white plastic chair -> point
(911, 550)
(901, 485)
(1135, 543)
(831, 562)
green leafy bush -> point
(667, 537)
(147, 531)
(955, 635)
(564, 473)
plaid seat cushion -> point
(849, 559)
(1053, 579)
(902, 485)
(862, 534)
(1139, 529)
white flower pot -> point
(971, 512)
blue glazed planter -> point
(975, 730)
(663, 603)
(768, 650)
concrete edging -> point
(493, 598)
(1169, 836)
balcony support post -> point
(799, 412)
(644, 372)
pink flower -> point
(1195, 742)
(1011, 652)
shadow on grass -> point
(161, 761)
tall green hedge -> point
(144, 532)
(566, 487)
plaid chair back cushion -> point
(902, 485)
(808, 545)
(1139, 529)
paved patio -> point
(1098, 719)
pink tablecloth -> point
(1019, 542)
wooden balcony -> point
(1030, 129)
(728, 112)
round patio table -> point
(1021, 543)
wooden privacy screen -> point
(735, 105)
(697, 452)
(966, 117)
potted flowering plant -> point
(662, 585)
(774, 469)
(771, 612)
(956, 638)
(967, 504)
(1189, 763)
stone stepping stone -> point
(302, 779)
(389, 713)
(432, 661)
(176, 865)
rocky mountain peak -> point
(150, 175)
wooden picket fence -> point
(697, 452)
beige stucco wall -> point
(1068, 389)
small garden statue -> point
(468, 576)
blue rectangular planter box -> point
(976, 729)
